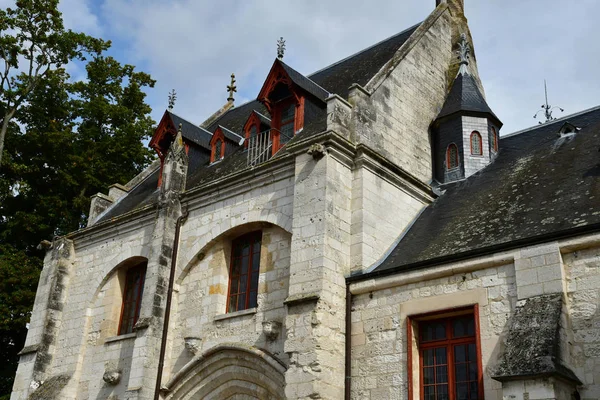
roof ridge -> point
(363, 50)
(562, 119)
(185, 119)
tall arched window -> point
(494, 139)
(452, 156)
(243, 272)
(476, 147)
(132, 297)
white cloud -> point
(193, 46)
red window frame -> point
(132, 298)
(253, 121)
(449, 157)
(277, 123)
(449, 343)
(244, 270)
(476, 150)
(494, 139)
(218, 136)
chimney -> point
(457, 7)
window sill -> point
(241, 313)
(120, 337)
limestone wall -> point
(394, 120)
(379, 327)
(582, 270)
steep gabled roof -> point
(465, 96)
(533, 189)
(304, 82)
(360, 67)
(191, 131)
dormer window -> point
(217, 145)
(286, 121)
(476, 147)
(568, 129)
(452, 157)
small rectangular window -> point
(244, 270)
(132, 298)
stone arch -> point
(229, 371)
(121, 265)
(195, 253)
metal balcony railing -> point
(260, 146)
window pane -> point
(472, 352)
(429, 392)
(234, 286)
(442, 392)
(252, 301)
(241, 302)
(287, 132)
(232, 303)
(253, 131)
(473, 371)
(288, 112)
(254, 282)
(464, 326)
(235, 266)
(246, 249)
(428, 376)
(440, 356)
(474, 394)
(433, 331)
(462, 391)
(256, 248)
(460, 372)
(245, 265)
(256, 262)
(460, 354)
(428, 357)
(441, 374)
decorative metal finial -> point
(172, 99)
(231, 88)
(464, 53)
(280, 48)
(547, 108)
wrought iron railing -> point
(260, 146)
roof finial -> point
(280, 48)
(547, 108)
(464, 52)
(172, 99)
(231, 89)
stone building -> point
(362, 232)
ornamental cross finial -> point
(172, 99)
(280, 48)
(464, 52)
(231, 88)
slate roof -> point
(539, 185)
(191, 131)
(465, 96)
(360, 67)
(336, 78)
(305, 83)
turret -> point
(466, 131)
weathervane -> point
(280, 48)
(172, 99)
(547, 108)
(464, 51)
(231, 88)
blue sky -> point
(194, 45)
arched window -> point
(476, 147)
(132, 297)
(452, 156)
(243, 272)
(494, 139)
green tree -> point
(34, 42)
(73, 139)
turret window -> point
(494, 139)
(452, 156)
(476, 147)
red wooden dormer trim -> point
(253, 121)
(163, 136)
(217, 142)
(278, 76)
